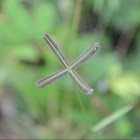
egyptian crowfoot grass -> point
(70, 69)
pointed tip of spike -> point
(36, 84)
(44, 35)
(90, 91)
(97, 45)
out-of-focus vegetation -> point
(60, 110)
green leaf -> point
(124, 127)
(111, 118)
(17, 16)
(126, 86)
(25, 52)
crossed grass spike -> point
(70, 69)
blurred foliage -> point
(60, 110)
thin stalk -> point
(76, 16)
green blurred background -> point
(61, 110)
